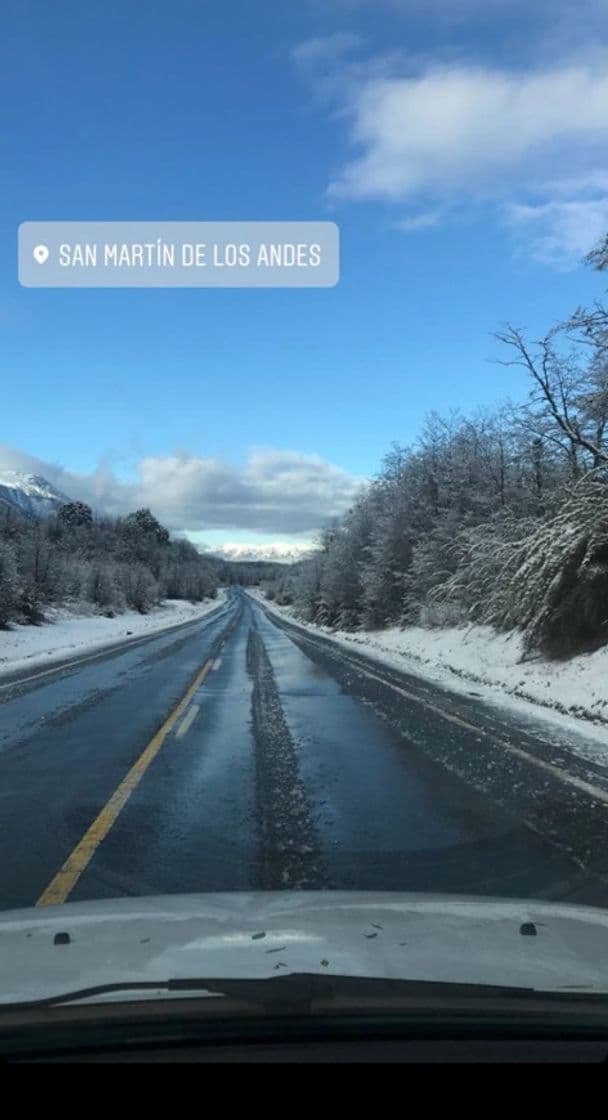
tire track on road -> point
(291, 851)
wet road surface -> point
(289, 762)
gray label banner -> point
(179, 254)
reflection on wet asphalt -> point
(290, 768)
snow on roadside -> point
(65, 635)
(572, 695)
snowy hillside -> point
(29, 494)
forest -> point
(86, 561)
(498, 518)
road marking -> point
(188, 720)
(66, 878)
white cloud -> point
(462, 129)
(578, 17)
(560, 233)
(426, 219)
(590, 183)
(325, 49)
(448, 137)
(274, 491)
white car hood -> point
(257, 935)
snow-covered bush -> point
(434, 615)
(478, 563)
(556, 588)
(103, 586)
(140, 588)
(547, 578)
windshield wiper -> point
(306, 993)
(291, 989)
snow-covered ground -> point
(65, 634)
(572, 695)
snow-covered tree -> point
(9, 582)
(76, 558)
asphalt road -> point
(241, 753)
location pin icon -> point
(41, 254)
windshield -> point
(303, 493)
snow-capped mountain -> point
(29, 494)
(279, 552)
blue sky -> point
(460, 147)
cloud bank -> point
(274, 491)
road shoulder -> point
(28, 651)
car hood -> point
(260, 935)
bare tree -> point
(568, 409)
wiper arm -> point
(76, 994)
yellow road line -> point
(187, 721)
(66, 878)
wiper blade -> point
(288, 988)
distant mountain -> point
(279, 552)
(29, 494)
